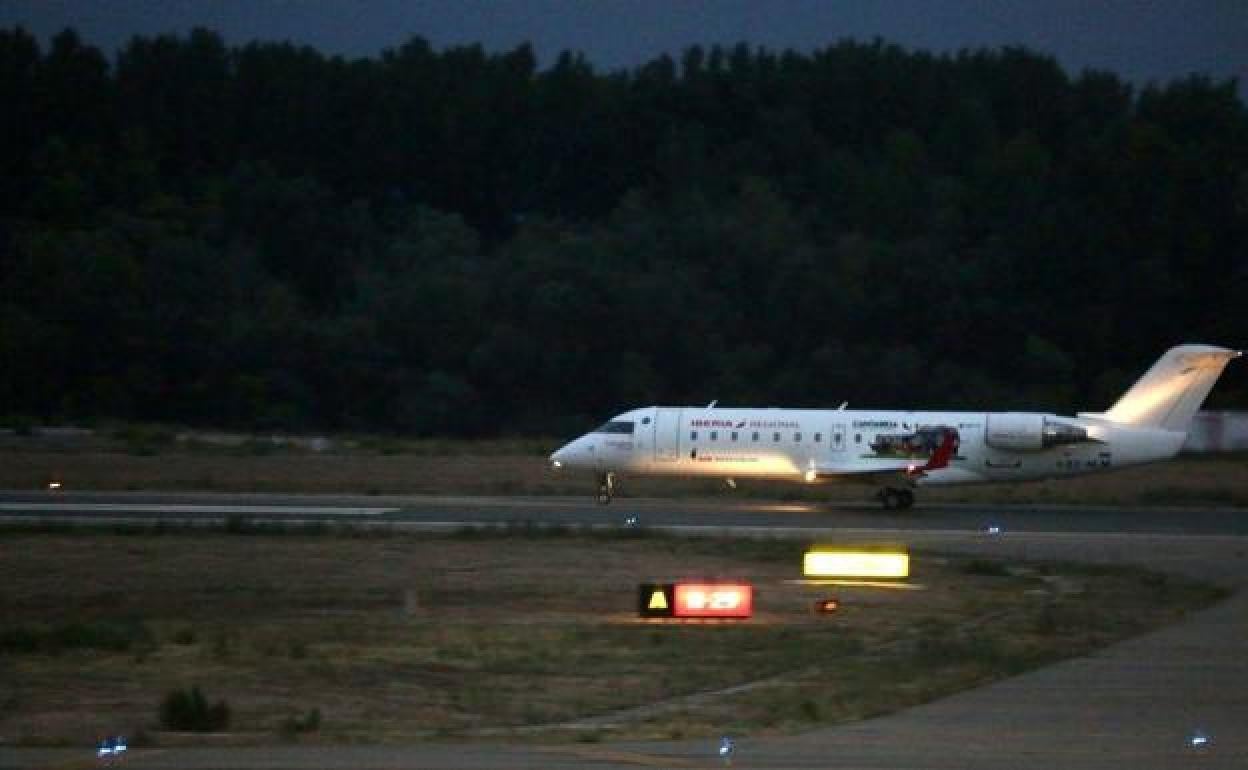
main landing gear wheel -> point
(606, 487)
(895, 499)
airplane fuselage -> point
(898, 450)
(816, 445)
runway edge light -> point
(823, 562)
(827, 606)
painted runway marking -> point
(289, 510)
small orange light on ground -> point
(827, 606)
(713, 600)
(827, 562)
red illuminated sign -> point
(713, 600)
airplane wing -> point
(911, 469)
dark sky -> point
(1139, 39)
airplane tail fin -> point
(1172, 390)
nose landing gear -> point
(893, 498)
(606, 487)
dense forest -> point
(461, 242)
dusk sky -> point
(1141, 40)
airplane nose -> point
(575, 454)
(559, 457)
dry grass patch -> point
(521, 468)
(401, 638)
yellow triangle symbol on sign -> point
(658, 601)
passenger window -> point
(776, 437)
(734, 435)
(754, 437)
(857, 438)
(693, 435)
(714, 435)
(797, 437)
(818, 438)
(645, 421)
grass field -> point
(521, 468)
(518, 633)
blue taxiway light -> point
(112, 747)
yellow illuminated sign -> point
(695, 600)
(856, 564)
(654, 600)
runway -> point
(720, 514)
(1136, 704)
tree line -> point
(458, 242)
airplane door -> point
(666, 435)
(838, 442)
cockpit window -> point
(615, 426)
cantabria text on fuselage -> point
(898, 450)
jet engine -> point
(1020, 432)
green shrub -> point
(308, 723)
(1046, 621)
(111, 635)
(20, 424)
(188, 711)
(221, 647)
(20, 639)
(144, 440)
(985, 567)
(257, 447)
(297, 649)
(939, 650)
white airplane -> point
(898, 451)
